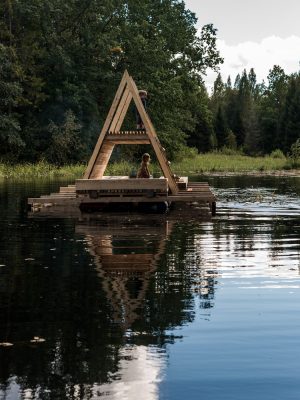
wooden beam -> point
(102, 160)
(106, 125)
(152, 136)
(128, 139)
(119, 110)
(123, 184)
(123, 112)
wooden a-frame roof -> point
(111, 135)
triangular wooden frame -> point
(126, 92)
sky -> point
(256, 33)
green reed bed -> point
(201, 163)
(40, 170)
(214, 162)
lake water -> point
(145, 308)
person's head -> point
(146, 158)
(143, 94)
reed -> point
(215, 162)
(40, 170)
(201, 163)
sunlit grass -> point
(214, 162)
(201, 163)
(40, 170)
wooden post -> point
(119, 110)
(101, 161)
(150, 131)
(106, 125)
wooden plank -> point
(125, 199)
(197, 197)
(106, 125)
(53, 200)
(119, 110)
(123, 113)
(128, 137)
(67, 189)
(137, 199)
(102, 160)
(134, 141)
(160, 184)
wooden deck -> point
(124, 190)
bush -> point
(65, 145)
(186, 153)
(277, 154)
(294, 155)
(231, 141)
(228, 151)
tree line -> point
(61, 63)
(257, 118)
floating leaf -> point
(37, 339)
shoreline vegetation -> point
(201, 164)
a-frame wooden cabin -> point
(95, 188)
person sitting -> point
(143, 171)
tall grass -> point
(40, 170)
(215, 162)
(201, 163)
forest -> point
(61, 62)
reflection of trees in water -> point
(138, 284)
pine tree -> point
(291, 116)
(271, 110)
(220, 127)
(10, 139)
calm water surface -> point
(153, 308)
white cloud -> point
(260, 56)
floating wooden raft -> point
(122, 189)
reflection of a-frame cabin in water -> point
(125, 258)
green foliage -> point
(229, 151)
(10, 91)
(71, 56)
(294, 154)
(277, 154)
(65, 143)
(231, 140)
(59, 75)
(263, 117)
(41, 169)
(186, 153)
(219, 162)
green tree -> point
(271, 109)
(290, 124)
(10, 139)
(220, 127)
(71, 56)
